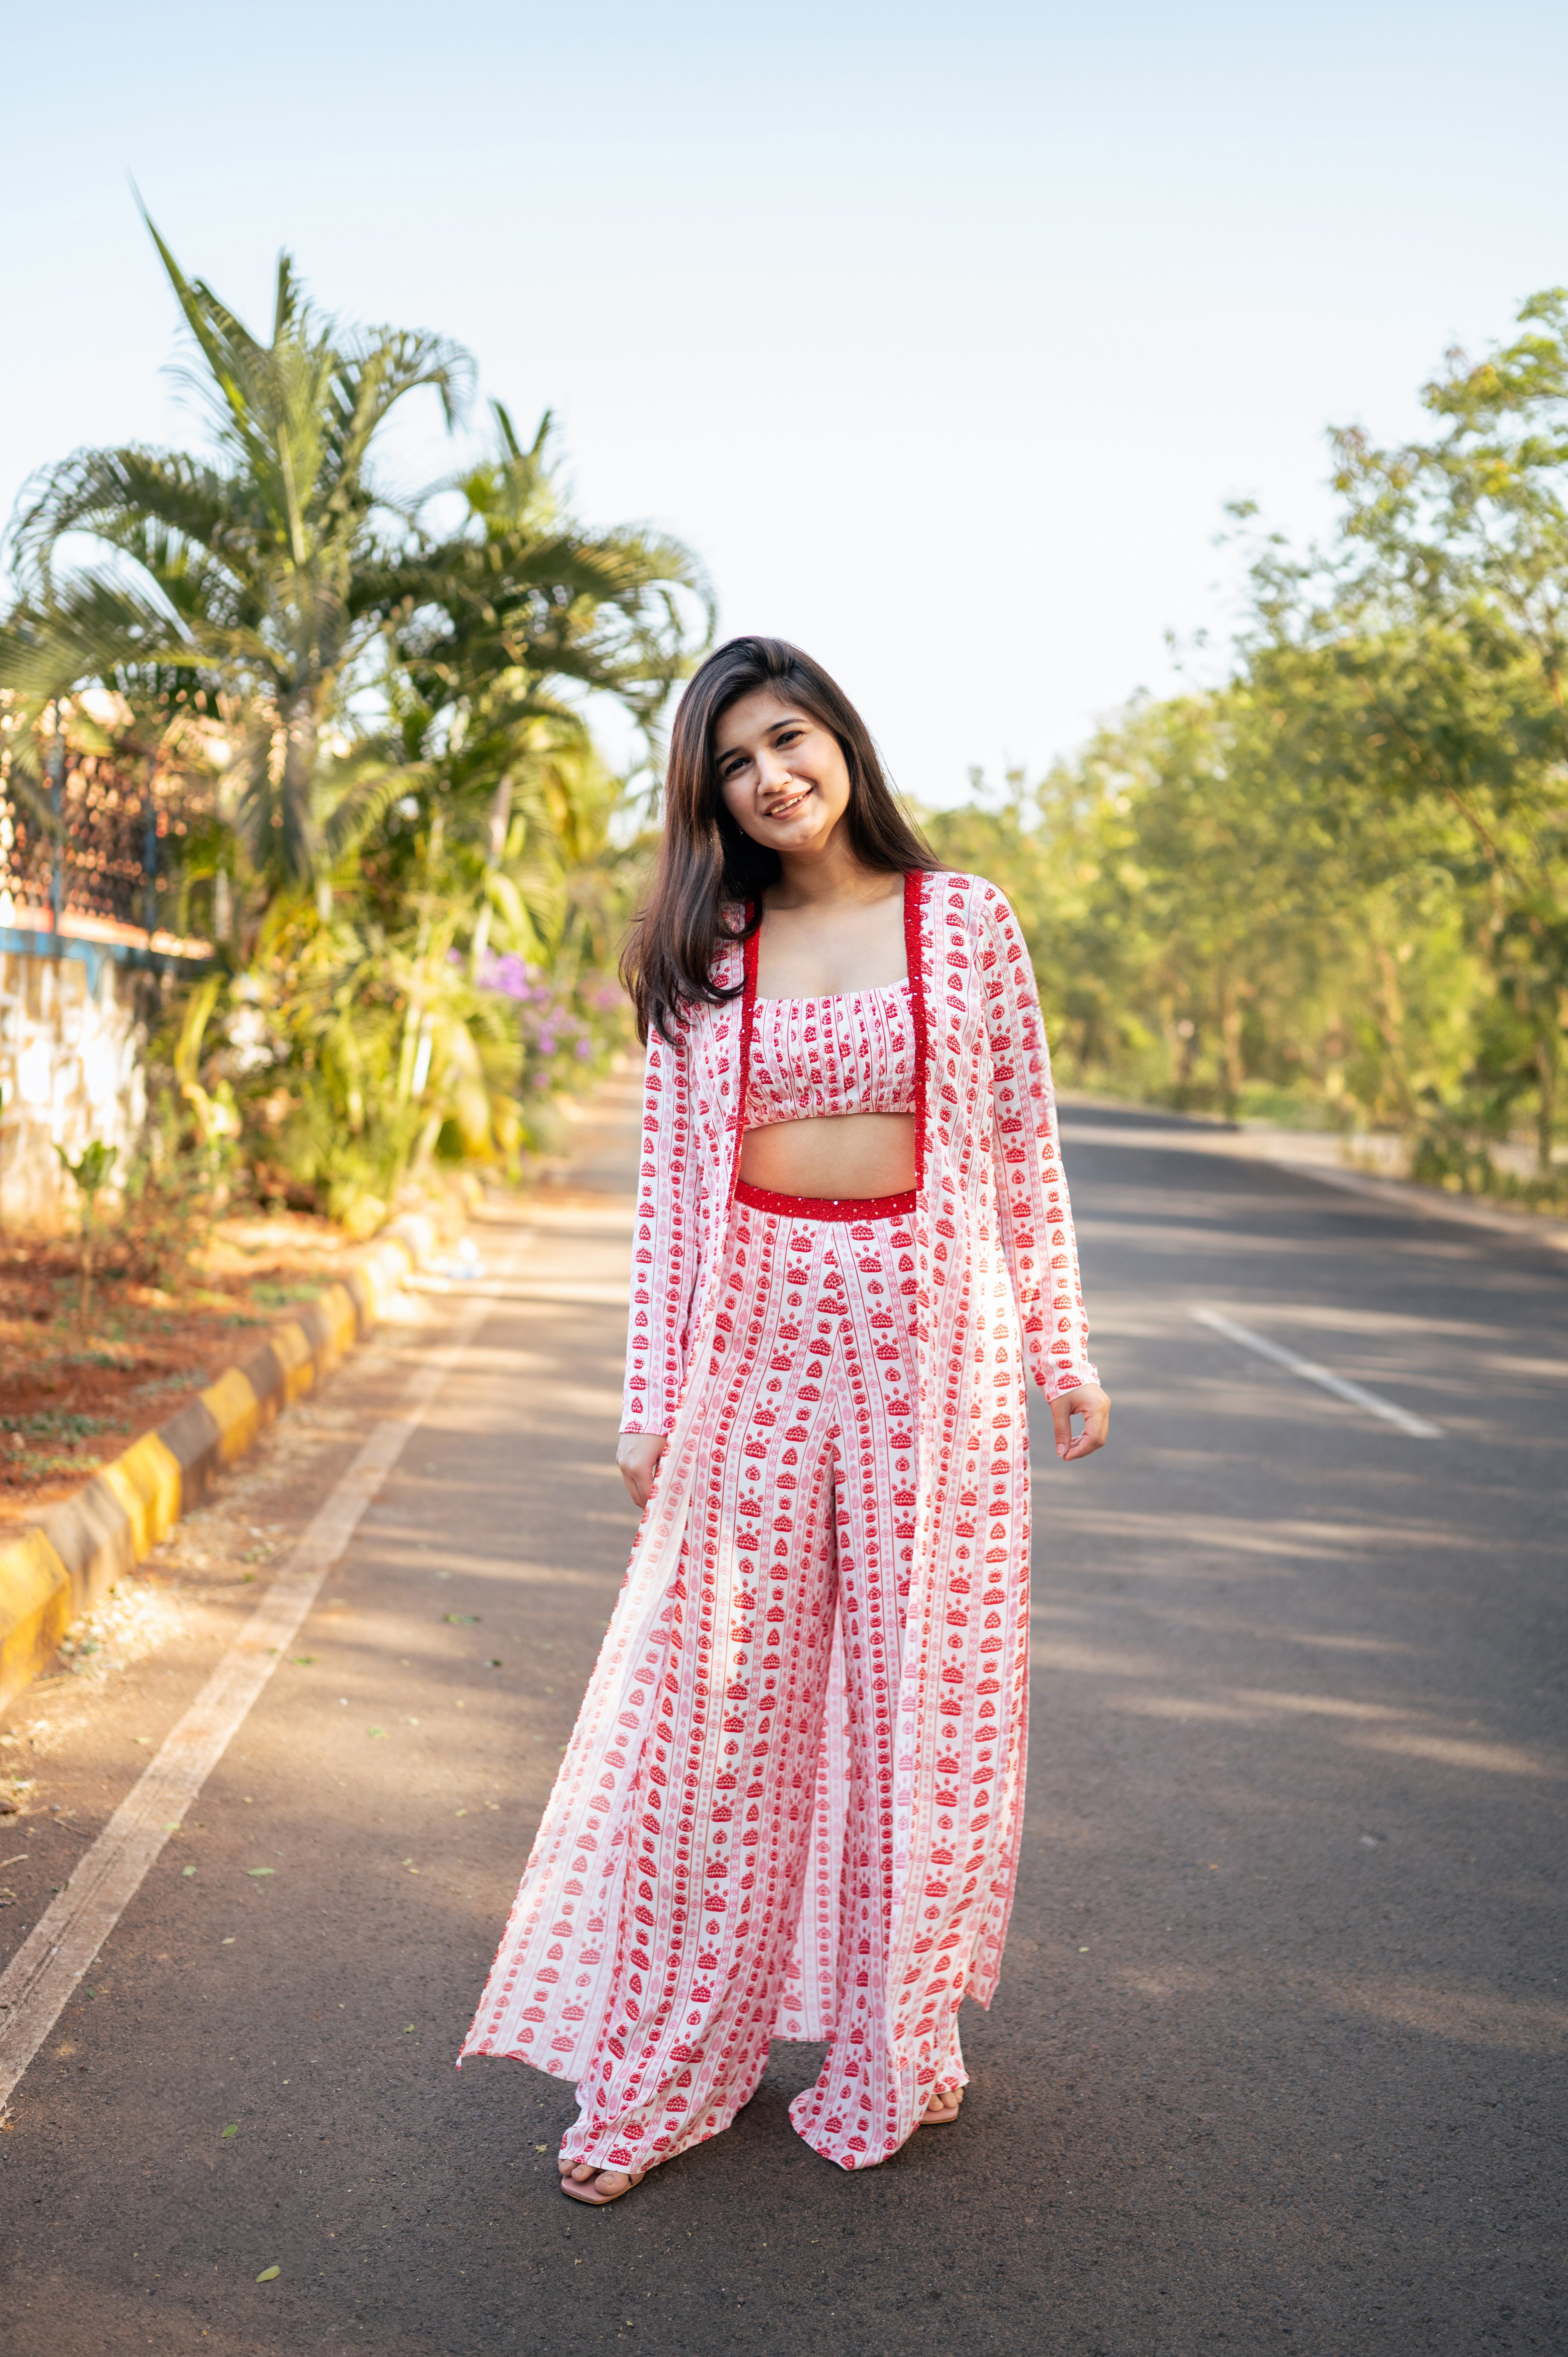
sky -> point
(942, 335)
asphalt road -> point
(1277, 2059)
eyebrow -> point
(790, 720)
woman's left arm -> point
(1033, 1209)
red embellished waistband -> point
(827, 1207)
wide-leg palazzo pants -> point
(787, 1592)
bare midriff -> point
(848, 1154)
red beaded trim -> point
(748, 1019)
(826, 1207)
(834, 1207)
(914, 888)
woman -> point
(792, 1802)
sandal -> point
(588, 2190)
(949, 2098)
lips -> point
(788, 809)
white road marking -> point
(40, 1978)
(1311, 1372)
(581, 1290)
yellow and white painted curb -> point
(51, 1576)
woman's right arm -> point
(663, 1269)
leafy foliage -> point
(384, 698)
(1336, 890)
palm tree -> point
(519, 600)
(240, 568)
(273, 579)
(391, 703)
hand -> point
(1089, 1402)
(637, 1455)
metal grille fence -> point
(118, 858)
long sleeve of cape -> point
(1032, 1211)
(664, 1253)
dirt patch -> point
(72, 1397)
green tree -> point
(1339, 883)
(240, 573)
(274, 579)
(1436, 642)
(1215, 929)
(389, 699)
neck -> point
(827, 879)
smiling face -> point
(783, 776)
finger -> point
(1096, 1431)
(1061, 1416)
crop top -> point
(816, 1056)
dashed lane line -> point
(1311, 1372)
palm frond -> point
(97, 631)
(234, 359)
(359, 787)
(379, 371)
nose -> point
(774, 773)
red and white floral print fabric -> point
(761, 1863)
(997, 1294)
(812, 1057)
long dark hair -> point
(708, 866)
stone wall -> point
(72, 1041)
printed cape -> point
(998, 1297)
